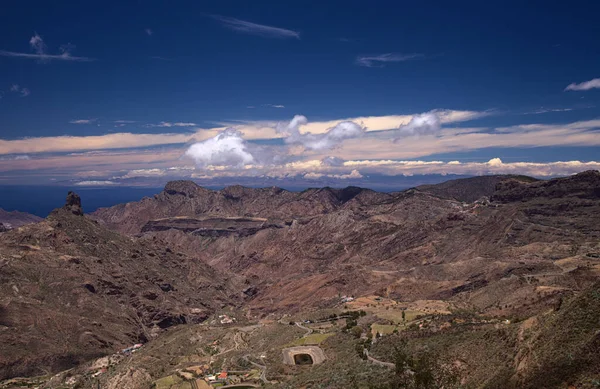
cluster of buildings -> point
(225, 319)
(132, 349)
(347, 299)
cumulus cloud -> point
(380, 60)
(226, 149)
(424, 124)
(255, 29)
(41, 53)
(331, 138)
(587, 85)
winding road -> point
(377, 361)
(263, 368)
(308, 330)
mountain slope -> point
(16, 219)
(470, 189)
(185, 198)
(409, 245)
(71, 290)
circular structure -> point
(303, 355)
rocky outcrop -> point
(73, 204)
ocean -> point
(41, 200)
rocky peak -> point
(73, 204)
(182, 187)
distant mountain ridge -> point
(16, 219)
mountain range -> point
(76, 287)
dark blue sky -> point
(193, 62)
(478, 55)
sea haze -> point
(41, 200)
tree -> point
(356, 331)
(421, 371)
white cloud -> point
(226, 149)
(16, 158)
(424, 124)
(169, 124)
(354, 174)
(156, 172)
(37, 44)
(543, 110)
(380, 60)
(39, 47)
(274, 105)
(23, 92)
(331, 138)
(256, 29)
(148, 32)
(96, 183)
(82, 121)
(587, 85)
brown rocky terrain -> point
(71, 290)
(535, 241)
(75, 287)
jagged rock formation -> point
(73, 204)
